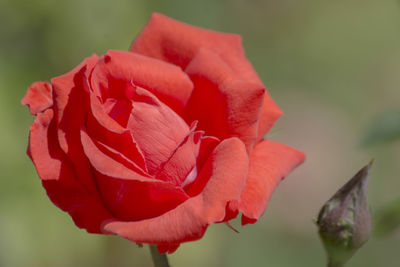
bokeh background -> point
(332, 66)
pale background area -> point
(332, 66)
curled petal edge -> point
(270, 162)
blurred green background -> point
(333, 67)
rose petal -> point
(227, 169)
(106, 130)
(109, 166)
(133, 200)
(182, 161)
(270, 162)
(156, 128)
(176, 42)
(119, 110)
(119, 69)
(40, 145)
(270, 113)
(128, 193)
(56, 172)
(70, 105)
(207, 146)
(232, 210)
(72, 82)
(115, 155)
(236, 104)
(167, 248)
(38, 98)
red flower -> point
(157, 143)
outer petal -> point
(236, 103)
(70, 105)
(176, 42)
(73, 83)
(270, 113)
(270, 162)
(58, 178)
(227, 168)
(38, 97)
(167, 248)
(118, 69)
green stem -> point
(159, 260)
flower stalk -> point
(159, 260)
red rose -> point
(157, 143)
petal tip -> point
(247, 220)
(38, 97)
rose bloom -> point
(157, 143)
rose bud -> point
(156, 143)
(345, 221)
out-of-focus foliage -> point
(332, 66)
(387, 219)
(385, 128)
